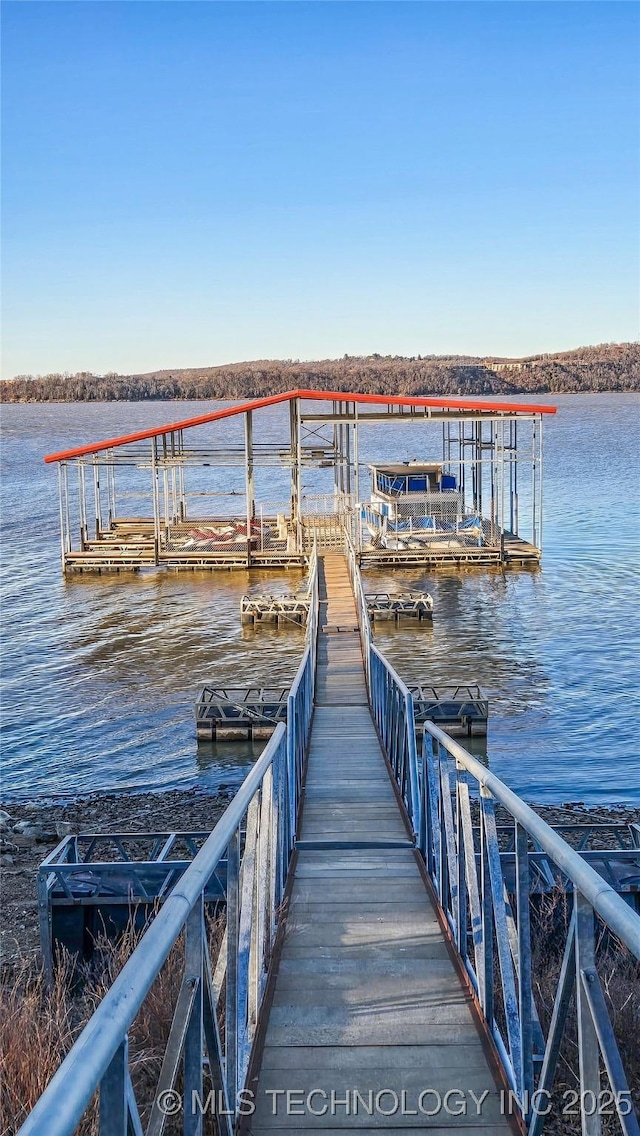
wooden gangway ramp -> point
(368, 1006)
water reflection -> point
(224, 765)
(100, 674)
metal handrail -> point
(480, 914)
(300, 699)
(393, 713)
(99, 1054)
(256, 835)
(362, 611)
(492, 936)
(619, 917)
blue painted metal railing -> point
(256, 835)
(491, 930)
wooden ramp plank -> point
(366, 998)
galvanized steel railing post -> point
(114, 1109)
(588, 1051)
(461, 915)
(486, 984)
(231, 1008)
(194, 1038)
(412, 760)
(556, 1029)
(525, 998)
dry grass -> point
(40, 1024)
(619, 975)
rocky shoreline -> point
(29, 831)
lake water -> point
(100, 674)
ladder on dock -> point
(374, 973)
(370, 1021)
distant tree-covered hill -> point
(607, 367)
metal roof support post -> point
(540, 495)
(82, 502)
(516, 521)
(174, 495)
(511, 468)
(347, 440)
(249, 479)
(294, 427)
(492, 478)
(156, 496)
(62, 471)
(165, 494)
(500, 433)
(534, 474)
(356, 480)
(477, 467)
(182, 505)
(96, 496)
(113, 510)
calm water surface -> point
(100, 674)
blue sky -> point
(195, 183)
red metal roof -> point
(485, 405)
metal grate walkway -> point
(370, 1025)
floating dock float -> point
(232, 714)
(281, 610)
(239, 713)
(400, 605)
(460, 710)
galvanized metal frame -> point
(96, 870)
(489, 454)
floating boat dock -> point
(281, 610)
(190, 495)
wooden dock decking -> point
(366, 997)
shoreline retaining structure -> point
(331, 804)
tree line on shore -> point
(607, 367)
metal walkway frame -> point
(257, 836)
